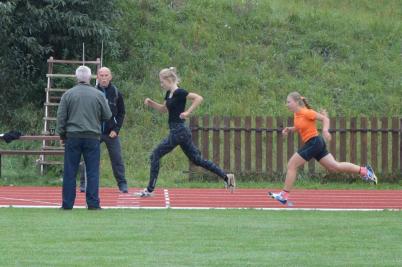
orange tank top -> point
(304, 123)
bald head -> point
(104, 76)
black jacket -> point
(116, 104)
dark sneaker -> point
(94, 208)
(123, 188)
(143, 193)
(370, 176)
(230, 184)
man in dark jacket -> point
(79, 117)
(111, 128)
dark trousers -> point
(89, 149)
(114, 149)
(179, 135)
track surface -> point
(210, 198)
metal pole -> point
(83, 54)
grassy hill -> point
(244, 57)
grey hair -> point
(83, 74)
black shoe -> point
(123, 188)
(63, 208)
(94, 208)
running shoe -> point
(230, 184)
(370, 176)
(143, 193)
(278, 197)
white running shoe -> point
(279, 197)
(370, 176)
(143, 193)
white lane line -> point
(167, 199)
(30, 200)
(207, 208)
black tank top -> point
(176, 104)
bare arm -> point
(196, 101)
(159, 107)
(323, 116)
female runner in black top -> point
(179, 134)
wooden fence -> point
(255, 146)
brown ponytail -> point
(300, 100)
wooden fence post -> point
(279, 145)
(384, 145)
(258, 145)
(269, 145)
(247, 144)
(205, 137)
(226, 144)
(374, 141)
(363, 141)
(216, 141)
(395, 145)
(237, 145)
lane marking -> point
(167, 199)
(30, 200)
(205, 208)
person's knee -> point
(154, 156)
(196, 160)
(292, 165)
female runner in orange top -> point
(314, 146)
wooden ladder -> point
(53, 96)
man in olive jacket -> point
(79, 117)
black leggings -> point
(180, 135)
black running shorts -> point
(314, 148)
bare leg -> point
(332, 165)
(295, 162)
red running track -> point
(210, 198)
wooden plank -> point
(279, 146)
(51, 104)
(216, 144)
(269, 146)
(247, 144)
(195, 138)
(79, 62)
(400, 145)
(363, 141)
(58, 75)
(342, 139)
(205, 137)
(290, 140)
(39, 137)
(374, 142)
(258, 145)
(332, 144)
(226, 144)
(237, 144)
(384, 145)
(31, 152)
(300, 144)
(395, 145)
(55, 90)
(353, 140)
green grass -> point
(47, 237)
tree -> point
(33, 30)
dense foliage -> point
(33, 30)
